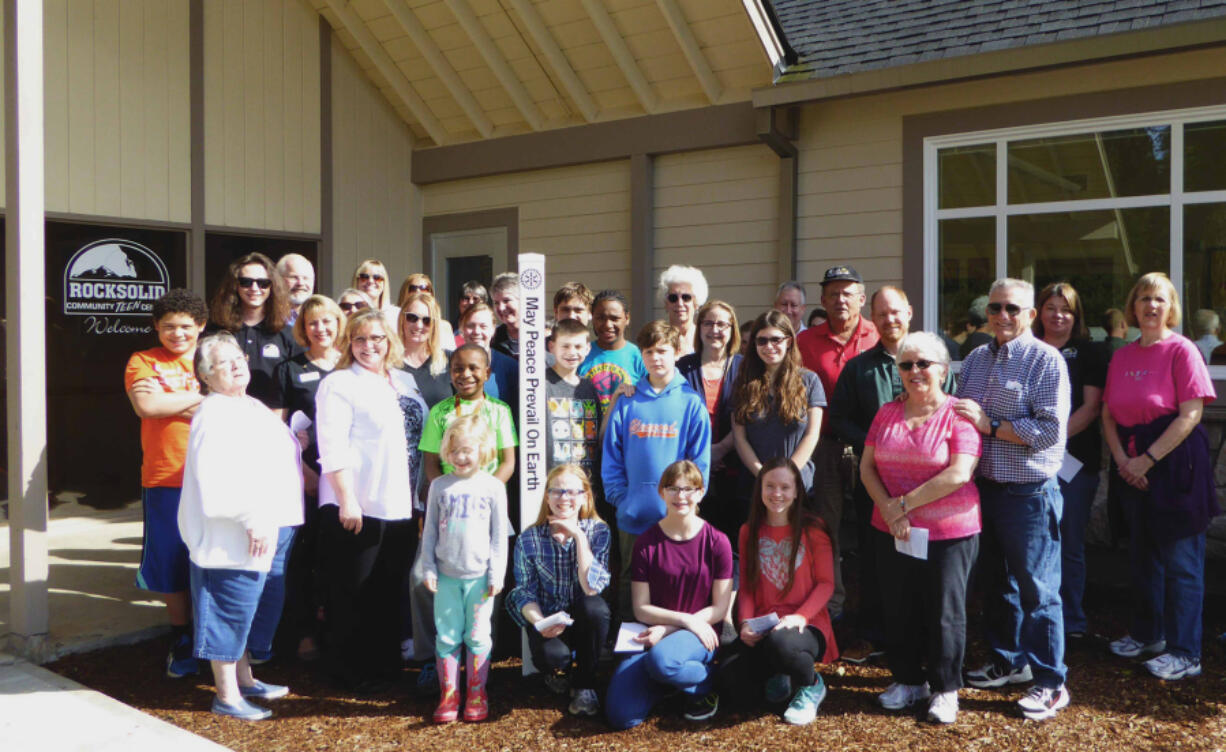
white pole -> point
(533, 402)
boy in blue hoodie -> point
(665, 420)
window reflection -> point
(1134, 162)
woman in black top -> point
(252, 304)
(425, 350)
(1061, 324)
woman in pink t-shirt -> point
(1156, 391)
(919, 458)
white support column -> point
(25, 330)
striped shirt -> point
(1024, 382)
(547, 573)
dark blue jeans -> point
(1020, 565)
(678, 662)
(1078, 498)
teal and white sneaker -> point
(778, 688)
(803, 707)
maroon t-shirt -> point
(681, 573)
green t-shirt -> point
(494, 412)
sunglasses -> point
(1012, 309)
(368, 277)
(355, 305)
(674, 297)
(262, 282)
(907, 365)
(417, 288)
(413, 318)
(776, 341)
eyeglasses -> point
(682, 490)
(772, 341)
(370, 339)
(674, 297)
(1012, 309)
(419, 288)
(353, 305)
(413, 318)
(719, 326)
(364, 277)
(262, 282)
(907, 365)
(565, 493)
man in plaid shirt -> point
(1015, 390)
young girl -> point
(464, 559)
(787, 569)
(562, 564)
(681, 586)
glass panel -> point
(1204, 147)
(967, 257)
(1204, 276)
(1133, 162)
(1100, 253)
(967, 176)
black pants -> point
(585, 637)
(364, 573)
(303, 590)
(743, 669)
(868, 617)
(924, 610)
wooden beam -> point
(438, 63)
(409, 98)
(557, 59)
(689, 47)
(497, 63)
(621, 54)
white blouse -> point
(360, 427)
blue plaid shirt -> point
(547, 574)
(1025, 382)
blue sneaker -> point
(264, 691)
(778, 688)
(179, 661)
(427, 680)
(243, 710)
(803, 708)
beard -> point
(297, 298)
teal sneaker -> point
(803, 707)
(778, 688)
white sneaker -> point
(1172, 667)
(1127, 647)
(1041, 703)
(585, 703)
(944, 707)
(898, 696)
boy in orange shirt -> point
(161, 384)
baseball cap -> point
(840, 274)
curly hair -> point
(799, 521)
(226, 309)
(179, 300)
(756, 395)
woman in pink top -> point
(919, 458)
(1156, 392)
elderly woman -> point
(683, 290)
(351, 300)
(252, 304)
(366, 501)
(919, 459)
(418, 282)
(371, 278)
(242, 495)
(1155, 396)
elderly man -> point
(790, 301)
(825, 349)
(299, 277)
(1015, 390)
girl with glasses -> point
(562, 564)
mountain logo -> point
(113, 277)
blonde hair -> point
(414, 279)
(312, 305)
(587, 511)
(472, 427)
(370, 266)
(1149, 283)
(362, 320)
(434, 343)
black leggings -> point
(744, 669)
(585, 637)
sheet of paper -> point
(763, 624)
(916, 546)
(299, 421)
(560, 617)
(625, 637)
(1069, 468)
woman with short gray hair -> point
(683, 290)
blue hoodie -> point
(647, 433)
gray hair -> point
(684, 275)
(284, 262)
(206, 352)
(356, 292)
(1009, 283)
(505, 282)
(791, 284)
(1206, 321)
(927, 345)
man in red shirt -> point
(825, 349)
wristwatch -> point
(995, 425)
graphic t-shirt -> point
(163, 441)
(574, 423)
(495, 414)
(609, 368)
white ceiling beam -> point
(689, 47)
(557, 59)
(409, 98)
(621, 53)
(438, 63)
(497, 63)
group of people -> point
(337, 479)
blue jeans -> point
(679, 661)
(1020, 565)
(1078, 498)
(1168, 580)
(272, 600)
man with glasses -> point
(790, 301)
(825, 349)
(1015, 390)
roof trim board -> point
(497, 63)
(539, 32)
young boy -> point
(573, 300)
(161, 384)
(664, 421)
(612, 361)
(574, 405)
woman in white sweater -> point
(242, 495)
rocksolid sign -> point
(113, 277)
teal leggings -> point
(462, 614)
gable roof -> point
(834, 37)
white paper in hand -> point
(299, 422)
(560, 617)
(916, 546)
(762, 624)
(625, 638)
(1068, 468)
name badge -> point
(303, 378)
(272, 351)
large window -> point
(1096, 203)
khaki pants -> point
(834, 474)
